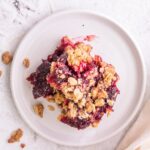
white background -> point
(134, 15)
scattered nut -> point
(39, 109)
(51, 108)
(26, 63)
(22, 145)
(6, 57)
(15, 136)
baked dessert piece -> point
(82, 85)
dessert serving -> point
(82, 85)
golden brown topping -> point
(102, 94)
(90, 107)
(6, 57)
(39, 109)
(51, 108)
(59, 98)
(99, 102)
(26, 63)
(52, 68)
(15, 136)
(92, 82)
(72, 81)
(72, 112)
(110, 69)
(81, 52)
(83, 114)
(70, 105)
(95, 92)
(100, 85)
(109, 75)
(78, 94)
(81, 103)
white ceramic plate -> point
(112, 43)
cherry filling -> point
(38, 79)
(76, 122)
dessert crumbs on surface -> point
(22, 145)
(1, 73)
(7, 57)
(26, 63)
(51, 108)
(15, 136)
(38, 109)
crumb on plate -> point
(7, 57)
(15, 136)
(39, 109)
(26, 63)
(51, 108)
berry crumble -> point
(83, 86)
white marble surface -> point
(134, 15)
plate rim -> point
(143, 68)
